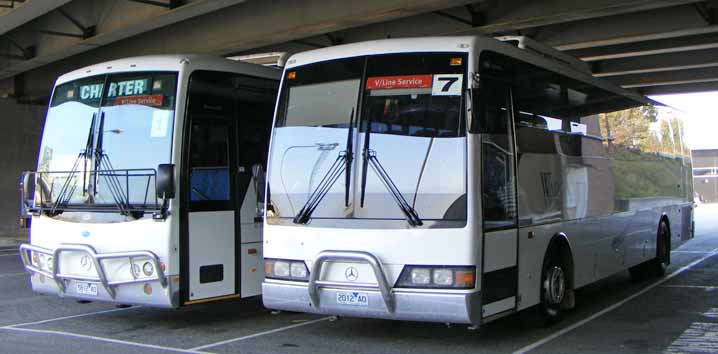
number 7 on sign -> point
(447, 85)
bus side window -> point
(497, 154)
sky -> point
(701, 117)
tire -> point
(554, 287)
(656, 267)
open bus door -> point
(227, 142)
(499, 270)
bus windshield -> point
(375, 138)
(103, 139)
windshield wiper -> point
(340, 165)
(104, 167)
(370, 158)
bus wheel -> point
(554, 287)
(656, 267)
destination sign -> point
(116, 89)
(398, 82)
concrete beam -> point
(652, 47)
(667, 78)
(657, 63)
(679, 88)
(127, 20)
(26, 12)
(244, 26)
(517, 14)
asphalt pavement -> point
(674, 314)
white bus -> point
(461, 179)
(149, 179)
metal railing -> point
(55, 272)
(381, 283)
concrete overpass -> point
(652, 46)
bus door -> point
(499, 268)
(211, 234)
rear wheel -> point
(656, 267)
(554, 287)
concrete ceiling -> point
(652, 46)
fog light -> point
(147, 289)
(420, 276)
(41, 260)
(443, 277)
(281, 269)
(148, 268)
(298, 270)
(50, 265)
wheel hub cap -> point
(555, 285)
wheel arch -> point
(562, 245)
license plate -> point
(86, 288)
(353, 298)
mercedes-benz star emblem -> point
(86, 263)
(351, 274)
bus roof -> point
(455, 44)
(173, 62)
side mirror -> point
(165, 183)
(258, 177)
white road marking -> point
(707, 287)
(69, 317)
(692, 252)
(698, 338)
(570, 328)
(108, 340)
(202, 347)
(10, 254)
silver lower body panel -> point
(409, 306)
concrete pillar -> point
(20, 136)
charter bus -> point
(461, 179)
(149, 182)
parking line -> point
(707, 287)
(69, 317)
(202, 347)
(570, 328)
(108, 340)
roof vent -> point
(276, 59)
(529, 44)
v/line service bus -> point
(149, 179)
(460, 179)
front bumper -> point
(123, 291)
(407, 305)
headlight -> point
(41, 260)
(437, 277)
(285, 269)
(421, 276)
(148, 268)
